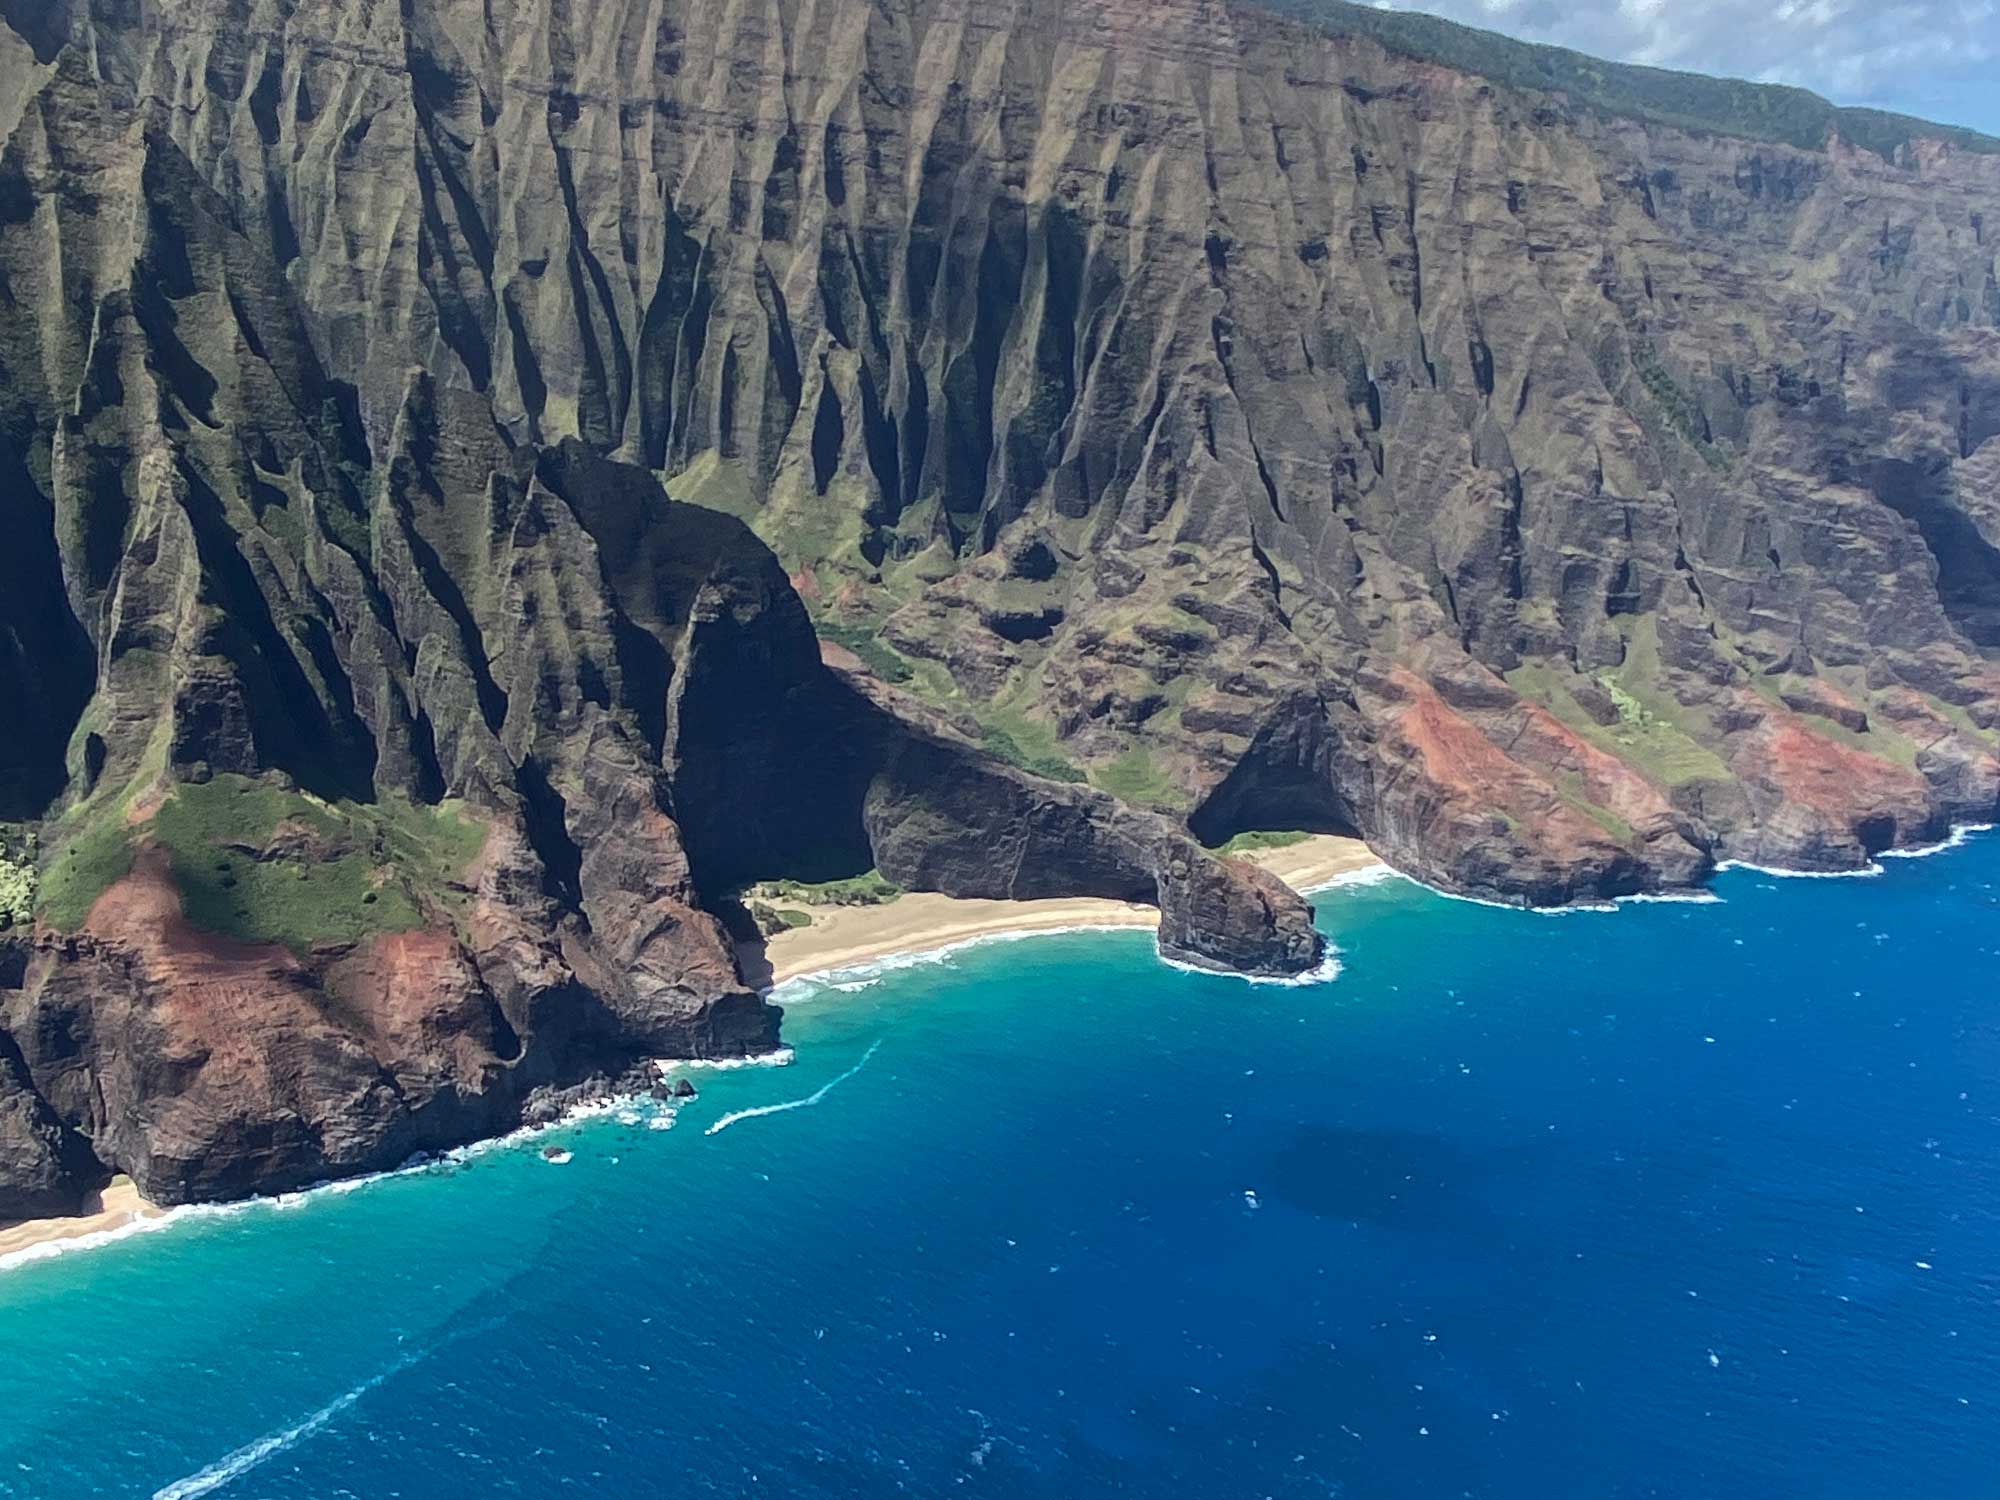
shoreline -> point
(919, 922)
(933, 924)
(111, 1213)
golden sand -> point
(845, 937)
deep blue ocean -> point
(1681, 1200)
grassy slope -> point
(1261, 838)
(86, 866)
(357, 869)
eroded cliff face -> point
(1171, 375)
(1271, 430)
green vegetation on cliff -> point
(1654, 733)
(257, 862)
(266, 865)
(876, 654)
(17, 876)
(1137, 778)
(1001, 741)
(87, 865)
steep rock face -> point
(324, 634)
(597, 669)
(43, 1164)
(1166, 372)
(207, 1067)
(939, 819)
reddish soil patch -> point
(840, 658)
(143, 911)
(1836, 781)
(1477, 775)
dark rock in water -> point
(1237, 917)
(683, 1089)
(550, 1103)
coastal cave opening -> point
(768, 754)
(1282, 783)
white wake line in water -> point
(777, 1109)
(250, 1456)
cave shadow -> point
(1283, 782)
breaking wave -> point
(1375, 874)
(1328, 968)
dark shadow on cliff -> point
(1283, 781)
(768, 755)
(47, 670)
(1968, 566)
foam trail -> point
(777, 1109)
(250, 1456)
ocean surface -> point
(1682, 1200)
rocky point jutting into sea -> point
(484, 481)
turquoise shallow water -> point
(1685, 1200)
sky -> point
(1938, 59)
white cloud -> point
(1929, 57)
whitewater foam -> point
(777, 1057)
(1958, 837)
(96, 1238)
(1328, 968)
(1870, 869)
(1961, 834)
(299, 1198)
(790, 1104)
(1692, 896)
(1375, 874)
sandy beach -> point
(1317, 861)
(114, 1208)
(844, 937)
